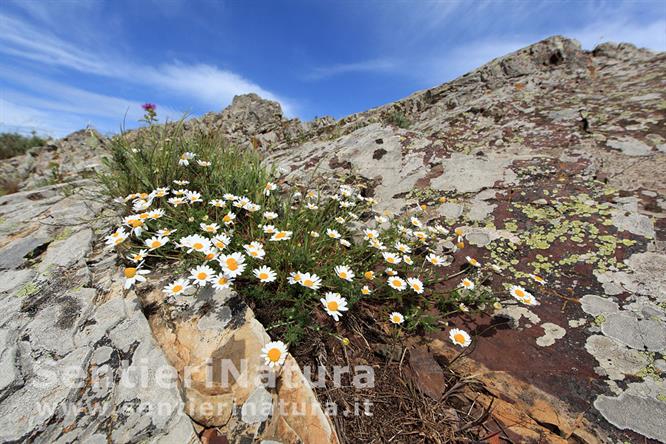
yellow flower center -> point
(343, 274)
(520, 293)
(396, 319)
(130, 272)
(143, 216)
(365, 291)
(369, 275)
(198, 246)
(254, 253)
(177, 288)
(332, 305)
(202, 275)
(274, 355)
(459, 338)
(473, 261)
(135, 223)
(280, 235)
(308, 283)
(390, 260)
(416, 287)
(263, 276)
(458, 232)
(220, 245)
(460, 245)
(155, 244)
(227, 218)
(222, 281)
(210, 256)
(232, 264)
(396, 283)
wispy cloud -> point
(205, 84)
(375, 65)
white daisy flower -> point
(274, 353)
(340, 220)
(229, 218)
(397, 283)
(345, 243)
(270, 186)
(538, 279)
(396, 318)
(181, 182)
(314, 234)
(281, 236)
(210, 254)
(193, 197)
(160, 192)
(209, 228)
(156, 242)
(435, 260)
(334, 304)
(467, 284)
(229, 196)
(202, 274)
(523, 296)
(255, 250)
(365, 290)
(138, 257)
(156, 214)
(415, 222)
(269, 229)
(166, 232)
(408, 260)
(473, 262)
(221, 241)
(176, 201)
(392, 258)
(295, 277)
(232, 264)
(344, 272)
(218, 203)
(195, 242)
(416, 285)
(221, 282)
(311, 206)
(333, 234)
(117, 237)
(134, 275)
(309, 280)
(204, 163)
(269, 215)
(403, 248)
(177, 287)
(264, 274)
(185, 158)
(370, 234)
(460, 337)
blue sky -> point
(68, 63)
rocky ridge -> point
(552, 154)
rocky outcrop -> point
(78, 360)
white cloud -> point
(375, 65)
(651, 35)
(206, 85)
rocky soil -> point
(552, 159)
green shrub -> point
(398, 118)
(321, 230)
(14, 144)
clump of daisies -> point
(199, 213)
